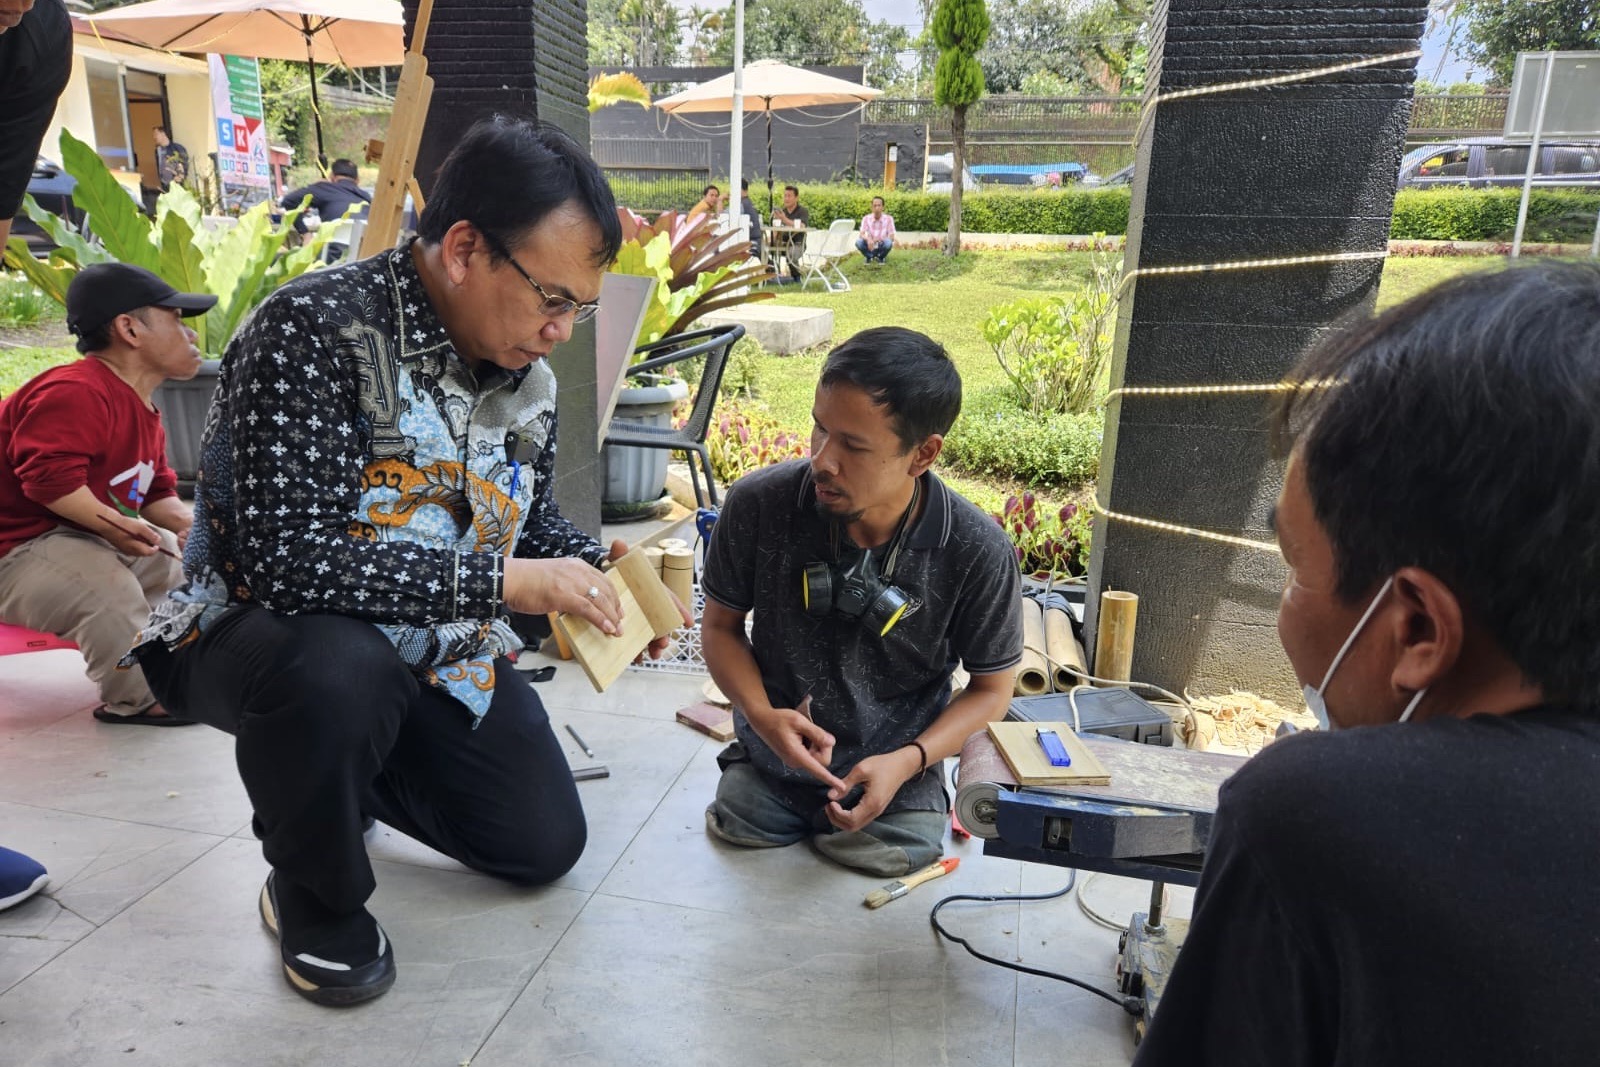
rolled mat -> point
(1033, 674)
(980, 776)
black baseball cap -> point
(102, 291)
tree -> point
(959, 29)
(1091, 46)
(1498, 29)
(816, 33)
(632, 33)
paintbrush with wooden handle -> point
(894, 890)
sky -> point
(909, 13)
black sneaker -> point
(333, 960)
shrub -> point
(1491, 214)
(1055, 350)
(745, 437)
(1419, 214)
(994, 439)
(696, 270)
(1048, 541)
(741, 376)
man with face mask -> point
(1413, 886)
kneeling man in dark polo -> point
(869, 581)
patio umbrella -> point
(354, 33)
(768, 86)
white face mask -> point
(1314, 698)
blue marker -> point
(516, 474)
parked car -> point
(939, 168)
(1034, 175)
(1092, 180)
(1479, 162)
(52, 188)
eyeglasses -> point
(552, 306)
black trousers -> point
(330, 725)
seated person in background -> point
(869, 580)
(1414, 886)
(710, 203)
(748, 209)
(877, 233)
(172, 159)
(332, 198)
(376, 493)
(793, 217)
(90, 520)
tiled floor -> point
(660, 947)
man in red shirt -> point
(90, 520)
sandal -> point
(142, 718)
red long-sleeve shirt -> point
(73, 426)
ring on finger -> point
(593, 593)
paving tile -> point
(187, 976)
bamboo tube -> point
(677, 571)
(1063, 647)
(1033, 674)
(655, 557)
(1113, 647)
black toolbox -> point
(1110, 711)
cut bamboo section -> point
(1063, 648)
(1113, 648)
(1033, 674)
(677, 571)
(647, 613)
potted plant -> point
(697, 270)
(240, 265)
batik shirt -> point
(353, 464)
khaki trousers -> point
(75, 585)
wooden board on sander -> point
(1018, 743)
(647, 613)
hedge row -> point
(1491, 215)
(1419, 214)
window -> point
(1574, 159)
(1451, 164)
(1510, 160)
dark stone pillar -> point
(1294, 170)
(528, 59)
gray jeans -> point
(750, 813)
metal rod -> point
(1158, 892)
(1533, 153)
(734, 203)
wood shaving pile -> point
(1239, 721)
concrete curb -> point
(1085, 242)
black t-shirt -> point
(1420, 893)
(874, 694)
(799, 213)
(35, 63)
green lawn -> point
(949, 300)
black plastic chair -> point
(714, 343)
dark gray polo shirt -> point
(873, 694)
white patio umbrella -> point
(353, 33)
(768, 86)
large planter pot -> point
(635, 478)
(183, 407)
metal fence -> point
(654, 175)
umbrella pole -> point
(769, 157)
(316, 105)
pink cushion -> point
(14, 639)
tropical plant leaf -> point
(70, 244)
(51, 280)
(183, 268)
(624, 88)
(113, 217)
